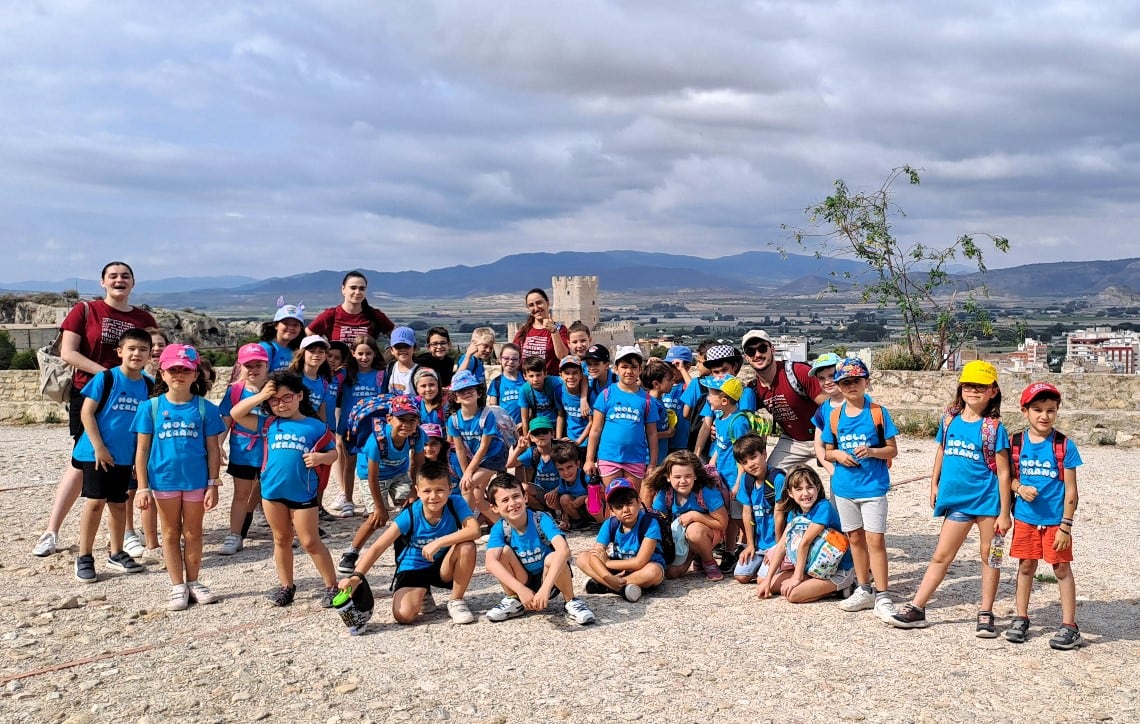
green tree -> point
(911, 276)
(7, 350)
(25, 360)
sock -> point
(867, 587)
(882, 594)
(129, 532)
(245, 524)
(352, 549)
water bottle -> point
(997, 551)
(595, 495)
(354, 606)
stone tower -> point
(575, 298)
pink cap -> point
(178, 355)
(252, 352)
(431, 429)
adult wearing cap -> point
(541, 336)
(597, 359)
(790, 393)
(89, 336)
(283, 335)
(354, 317)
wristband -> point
(358, 574)
(1067, 520)
(211, 483)
(1066, 532)
(148, 491)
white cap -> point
(313, 339)
(631, 350)
(755, 334)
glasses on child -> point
(442, 343)
(754, 349)
(283, 399)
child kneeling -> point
(528, 554)
(627, 557)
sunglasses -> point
(755, 349)
(283, 399)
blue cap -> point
(830, 359)
(462, 380)
(849, 368)
(679, 352)
(728, 385)
(403, 335)
(618, 484)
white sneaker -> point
(133, 544)
(45, 546)
(884, 608)
(179, 599)
(860, 600)
(631, 592)
(347, 509)
(457, 609)
(579, 612)
(231, 545)
(337, 503)
(152, 555)
(509, 607)
(429, 605)
(200, 593)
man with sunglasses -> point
(789, 393)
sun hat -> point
(755, 334)
(462, 380)
(628, 351)
(679, 352)
(721, 353)
(252, 352)
(828, 359)
(850, 368)
(402, 405)
(313, 339)
(403, 335)
(978, 372)
(432, 429)
(290, 311)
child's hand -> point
(790, 584)
(310, 459)
(1062, 540)
(143, 498)
(379, 517)
(747, 553)
(1027, 493)
(584, 407)
(845, 459)
(534, 601)
(430, 550)
(933, 495)
(551, 499)
(1002, 524)
(590, 467)
(269, 389)
(210, 501)
(863, 452)
(764, 588)
(103, 458)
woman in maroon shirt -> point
(90, 336)
(354, 317)
(541, 336)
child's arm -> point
(213, 469)
(517, 451)
(703, 435)
(889, 450)
(842, 457)
(469, 531)
(814, 530)
(460, 449)
(504, 576)
(651, 438)
(242, 411)
(585, 432)
(379, 511)
(935, 474)
(584, 398)
(416, 463)
(1070, 510)
(372, 553)
(749, 527)
(641, 560)
(555, 562)
(142, 455)
(596, 425)
(103, 458)
(717, 519)
(323, 411)
(473, 466)
(775, 560)
(821, 452)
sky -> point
(265, 139)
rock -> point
(346, 688)
(67, 604)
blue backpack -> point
(365, 420)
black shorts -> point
(74, 414)
(110, 485)
(293, 504)
(534, 582)
(421, 578)
(243, 472)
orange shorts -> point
(1035, 543)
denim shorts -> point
(956, 517)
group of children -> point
(522, 458)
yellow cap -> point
(978, 373)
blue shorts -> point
(956, 517)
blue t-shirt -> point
(245, 444)
(870, 478)
(966, 485)
(506, 393)
(367, 385)
(824, 513)
(576, 422)
(751, 495)
(1038, 468)
(318, 392)
(178, 443)
(574, 488)
(334, 392)
(115, 419)
(280, 356)
(473, 430)
(598, 384)
(822, 416)
(626, 543)
(420, 532)
(285, 476)
(747, 402)
(626, 414)
(674, 400)
(396, 460)
(476, 368)
(528, 546)
(432, 417)
(545, 471)
(546, 402)
(728, 429)
(713, 500)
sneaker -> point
(884, 607)
(1018, 631)
(337, 503)
(179, 599)
(429, 605)
(328, 596)
(85, 569)
(324, 516)
(579, 612)
(713, 572)
(347, 509)
(1066, 638)
(133, 544)
(45, 546)
(985, 628)
(860, 600)
(347, 562)
(231, 545)
(457, 609)
(909, 616)
(259, 520)
(283, 596)
(199, 593)
(593, 586)
(322, 533)
(122, 561)
(153, 555)
(631, 592)
(509, 607)
(728, 561)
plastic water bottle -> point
(595, 495)
(349, 605)
(997, 550)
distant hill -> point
(1061, 279)
(88, 287)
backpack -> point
(769, 487)
(826, 552)
(55, 374)
(876, 417)
(366, 419)
(109, 381)
(1017, 439)
(668, 546)
(549, 389)
(757, 423)
(201, 414)
(503, 421)
(322, 471)
(694, 417)
(386, 384)
(508, 529)
(718, 483)
(989, 437)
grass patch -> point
(917, 426)
(52, 418)
(1045, 578)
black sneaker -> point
(909, 616)
(593, 586)
(324, 516)
(283, 596)
(728, 561)
(85, 569)
(347, 562)
(1018, 630)
(122, 561)
(985, 628)
(1066, 638)
(328, 596)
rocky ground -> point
(692, 651)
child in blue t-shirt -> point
(724, 395)
(106, 451)
(177, 461)
(808, 515)
(475, 439)
(504, 390)
(532, 456)
(573, 422)
(437, 532)
(1044, 473)
(627, 558)
(623, 434)
(430, 399)
(246, 450)
(686, 494)
(757, 490)
(528, 555)
(571, 494)
(680, 359)
(657, 379)
(283, 335)
(478, 353)
(597, 359)
(363, 379)
(823, 369)
(542, 395)
(859, 438)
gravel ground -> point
(691, 651)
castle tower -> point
(575, 298)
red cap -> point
(1036, 389)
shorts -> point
(110, 485)
(243, 472)
(870, 514)
(956, 517)
(186, 496)
(394, 491)
(1035, 543)
(74, 409)
(842, 579)
(497, 464)
(534, 582)
(735, 509)
(293, 504)
(633, 470)
(422, 577)
(788, 453)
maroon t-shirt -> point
(538, 343)
(99, 333)
(337, 325)
(791, 411)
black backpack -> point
(668, 547)
(109, 381)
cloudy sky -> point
(197, 138)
